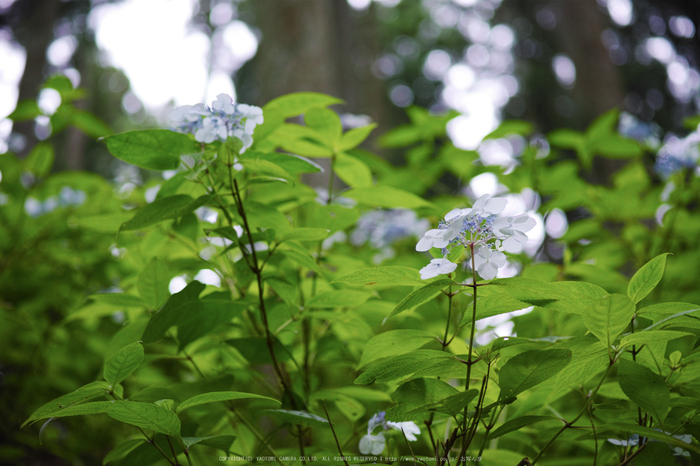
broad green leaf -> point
(653, 336)
(646, 278)
(220, 442)
(419, 363)
(145, 454)
(413, 396)
(146, 416)
(523, 128)
(330, 217)
(607, 317)
(394, 342)
(566, 139)
(653, 434)
(517, 423)
(256, 351)
(93, 407)
(304, 234)
(382, 276)
(568, 297)
(304, 259)
(266, 168)
(293, 164)
(90, 124)
(662, 310)
(155, 149)
(421, 296)
(104, 223)
(338, 298)
(121, 450)
(216, 397)
(326, 123)
(40, 159)
(302, 418)
(281, 108)
(193, 317)
(530, 368)
(646, 388)
(25, 110)
(163, 209)
(614, 146)
(387, 197)
(118, 299)
(352, 171)
(500, 457)
(454, 404)
(355, 137)
(589, 357)
(88, 392)
(153, 282)
(122, 363)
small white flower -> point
(223, 103)
(410, 429)
(512, 231)
(438, 267)
(432, 239)
(487, 204)
(487, 262)
(188, 113)
(372, 444)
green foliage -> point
(293, 330)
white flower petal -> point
(372, 444)
(487, 271)
(512, 245)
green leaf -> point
(326, 123)
(387, 197)
(163, 209)
(646, 278)
(40, 159)
(569, 297)
(122, 363)
(614, 146)
(25, 110)
(293, 164)
(421, 295)
(352, 171)
(193, 317)
(300, 140)
(658, 311)
(607, 317)
(104, 223)
(646, 388)
(338, 298)
(121, 450)
(95, 407)
(216, 397)
(266, 168)
(454, 404)
(414, 396)
(653, 336)
(220, 442)
(517, 423)
(302, 418)
(153, 282)
(653, 434)
(382, 276)
(155, 149)
(90, 124)
(355, 137)
(530, 368)
(589, 357)
(256, 351)
(146, 416)
(304, 234)
(419, 363)
(281, 108)
(566, 139)
(392, 343)
(523, 128)
(88, 392)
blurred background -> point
(553, 63)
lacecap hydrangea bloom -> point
(482, 231)
(220, 121)
(678, 153)
(372, 444)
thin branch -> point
(340, 450)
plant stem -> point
(340, 450)
(585, 408)
(449, 316)
(172, 450)
(255, 432)
(162, 452)
(187, 455)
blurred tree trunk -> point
(598, 82)
(34, 33)
(320, 46)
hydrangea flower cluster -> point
(632, 128)
(220, 121)
(384, 227)
(372, 444)
(481, 230)
(677, 154)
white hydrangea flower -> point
(512, 231)
(437, 267)
(480, 230)
(223, 103)
(372, 444)
(487, 262)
